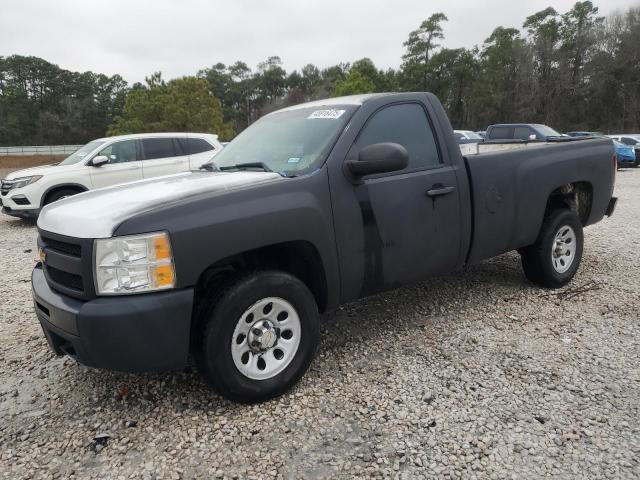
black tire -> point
(226, 309)
(537, 260)
(59, 194)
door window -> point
(193, 146)
(405, 124)
(158, 148)
(120, 152)
(501, 133)
(522, 133)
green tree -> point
(420, 45)
(579, 33)
(502, 92)
(354, 83)
(42, 103)
(271, 80)
(543, 28)
(180, 105)
(452, 73)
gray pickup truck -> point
(312, 206)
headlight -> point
(133, 264)
(24, 181)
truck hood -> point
(41, 170)
(97, 213)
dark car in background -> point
(520, 131)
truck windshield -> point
(81, 153)
(290, 142)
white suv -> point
(105, 162)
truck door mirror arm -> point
(378, 158)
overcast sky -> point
(178, 37)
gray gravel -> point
(476, 375)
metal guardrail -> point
(39, 150)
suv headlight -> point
(24, 181)
(133, 264)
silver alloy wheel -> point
(563, 250)
(266, 338)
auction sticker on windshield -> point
(330, 114)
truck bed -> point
(509, 203)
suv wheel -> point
(59, 195)
(555, 257)
(259, 337)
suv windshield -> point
(80, 154)
(290, 142)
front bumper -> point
(626, 159)
(9, 207)
(30, 214)
(133, 333)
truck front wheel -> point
(555, 257)
(259, 336)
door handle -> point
(439, 189)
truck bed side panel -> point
(510, 190)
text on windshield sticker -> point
(330, 114)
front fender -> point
(207, 230)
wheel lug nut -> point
(257, 332)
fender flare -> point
(79, 186)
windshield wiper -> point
(209, 166)
(247, 165)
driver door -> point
(399, 227)
(123, 165)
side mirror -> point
(99, 161)
(532, 136)
(379, 158)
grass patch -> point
(26, 161)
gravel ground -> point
(475, 375)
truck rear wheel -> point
(555, 257)
(259, 336)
